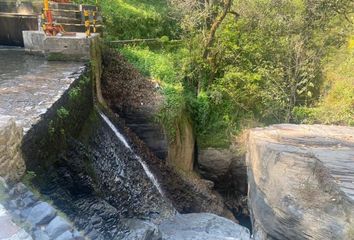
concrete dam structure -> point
(18, 16)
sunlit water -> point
(125, 142)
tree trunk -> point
(214, 28)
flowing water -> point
(143, 164)
(99, 182)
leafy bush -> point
(336, 106)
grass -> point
(132, 19)
(164, 67)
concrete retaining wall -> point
(67, 48)
(12, 25)
(63, 120)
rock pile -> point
(39, 218)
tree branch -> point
(214, 28)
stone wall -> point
(64, 120)
(12, 166)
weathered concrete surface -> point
(12, 165)
(30, 85)
(68, 48)
(12, 25)
(202, 226)
(301, 181)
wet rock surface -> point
(9, 230)
(301, 181)
(99, 183)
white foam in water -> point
(124, 141)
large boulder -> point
(142, 230)
(12, 165)
(202, 226)
(301, 182)
(225, 167)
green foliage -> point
(51, 129)
(74, 93)
(336, 106)
(156, 64)
(266, 64)
(163, 67)
(62, 113)
(132, 19)
(28, 178)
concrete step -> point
(67, 13)
(62, 20)
(89, 7)
(79, 27)
(64, 6)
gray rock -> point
(65, 236)
(301, 182)
(40, 235)
(142, 230)
(24, 213)
(214, 163)
(29, 199)
(202, 226)
(77, 235)
(18, 189)
(12, 204)
(57, 226)
(41, 214)
(223, 166)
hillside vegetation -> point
(241, 63)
